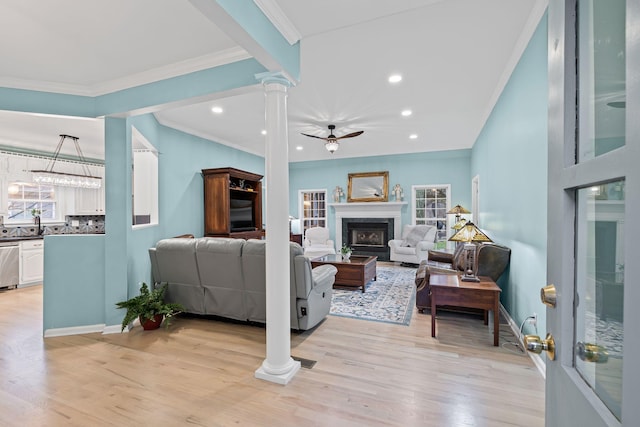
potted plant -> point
(345, 251)
(149, 307)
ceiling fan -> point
(332, 143)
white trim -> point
(279, 19)
(447, 219)
(535, 358)
(74, 330)
(187, 66)
(114, 329)
(475, 200)
(301, 207)
(368, 210)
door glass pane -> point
(601, 77)
(600, 290)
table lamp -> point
(470, 235)
(458, 225)
(458, 211)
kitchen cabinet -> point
(89, 201)
(4, 196)
(31, 261)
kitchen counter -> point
(18, 239)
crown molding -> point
(187, 66)
(274, 13)
(191, 65)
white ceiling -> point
(454, 55)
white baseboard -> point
(535, 358)
(74, 330)
(114, 329)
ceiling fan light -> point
(331, 146)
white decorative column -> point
(278, 367)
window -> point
(430, 206)
(27, 200)
(313, 208)
(144, 180)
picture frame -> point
(368, 187)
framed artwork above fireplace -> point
(368, 187)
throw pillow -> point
(415, 235)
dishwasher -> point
(9, 264)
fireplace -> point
(368, 236)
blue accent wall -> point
(510, 158)
(432, 168)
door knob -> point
(534, 344)
(592, 352)
(548, 295)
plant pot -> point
(150, 324)
(346, 256)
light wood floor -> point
(200, 372)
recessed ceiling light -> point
(413, 136)
(395, 78)
(406, 113)
(299, 148)
(264, 132)
(216, 109)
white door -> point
(594, 177)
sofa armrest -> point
(394, 243)
(323, 277)
(440, 256)
(424, 245)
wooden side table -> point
(448, 289)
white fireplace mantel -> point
(368, 210)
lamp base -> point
(469, 278)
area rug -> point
(388, 299)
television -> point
(241, 215)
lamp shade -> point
(469, 233)
(458, 225)
(457, 210)
(332, 145)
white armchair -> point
(416, 242)
(317, 243)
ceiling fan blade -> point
(313, 136)
(351, 135)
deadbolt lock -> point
(548, 295)
(591, 352)
(534, 344)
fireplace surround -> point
(368, 236)
(388, 212)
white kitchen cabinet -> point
(89, 201)
(4, 196)
(31, 261)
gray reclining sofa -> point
(226, 277)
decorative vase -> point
(150, 324)
(346, 255)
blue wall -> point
(510, 157)
(180, 187)
(442, 167)
(73, 299)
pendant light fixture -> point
(49, 177)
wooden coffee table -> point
(357, 271)
(448, 289)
